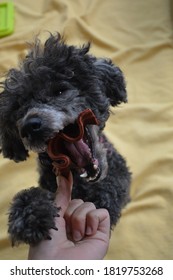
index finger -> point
(63, 195)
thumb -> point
(63, 195)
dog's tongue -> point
(70, 141)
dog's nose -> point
(31, 126)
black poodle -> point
(45, 98)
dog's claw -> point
(55, 228)
(56, 215)
(49, 237)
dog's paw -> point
(14, 150)
(15, 155)
(31, 216)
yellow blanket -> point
(138, 36)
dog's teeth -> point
(84, 175)
(89, 179)
(95, 166)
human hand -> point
(83, 231)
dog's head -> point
(52, 86)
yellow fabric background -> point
(138, 36)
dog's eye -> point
(61, 91)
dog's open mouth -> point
(72, 148)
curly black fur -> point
(52, 86)
(33, 211)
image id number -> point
(133, 270)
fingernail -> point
(77, 235)
(89, 231)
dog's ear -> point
(112, 80)
(11, 145)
